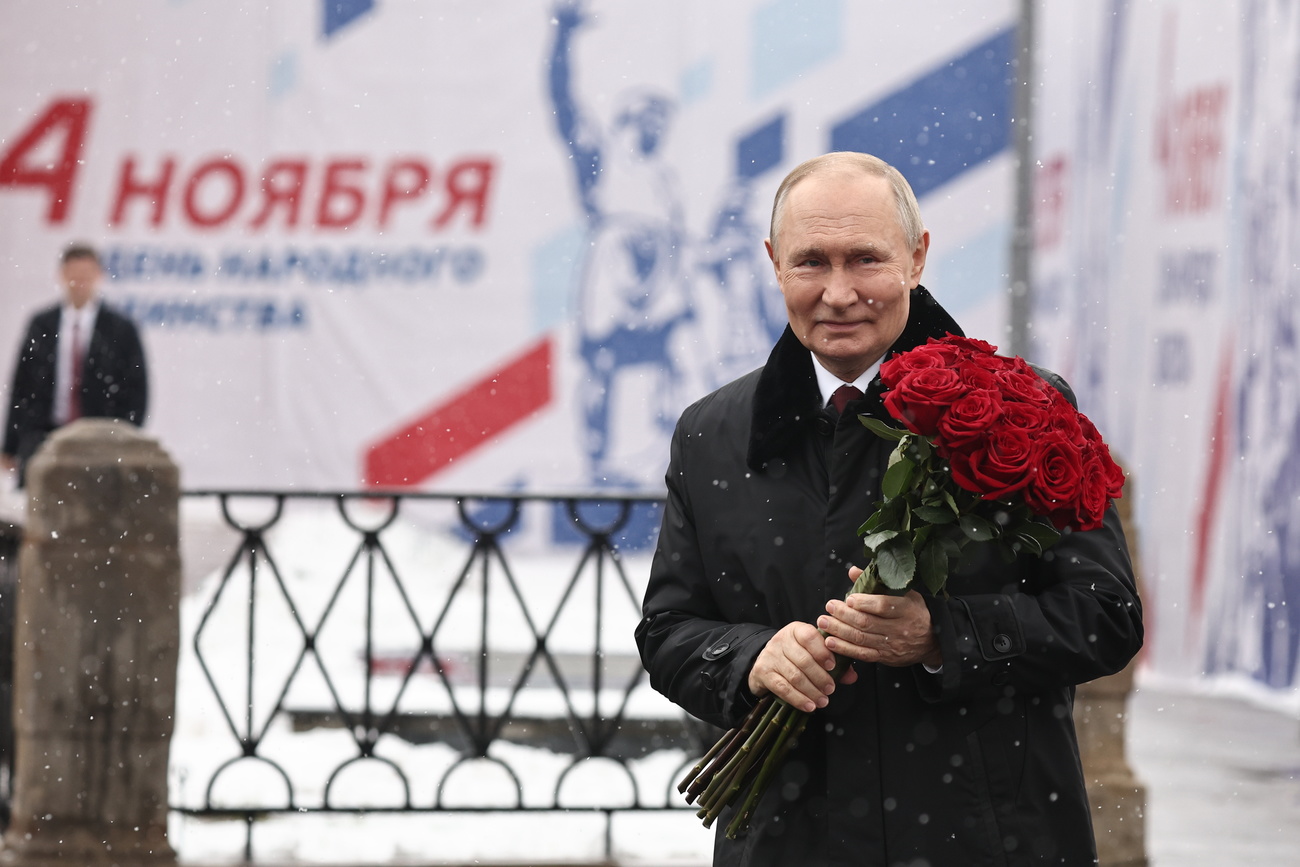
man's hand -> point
(796, 667)
(891, 630)
(8, 462)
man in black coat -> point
(78, 359)
(950, 741)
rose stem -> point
(722, 751)
(734, 780)
(790, 731)
(721, 777)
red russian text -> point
(66, 119)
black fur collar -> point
(787, 400)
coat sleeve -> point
(135, 375)
(695, 654)
(1070, 616)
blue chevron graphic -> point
(945, 122)
(341, 13)
(761, 149)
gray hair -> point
(909, 212)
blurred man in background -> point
(80, 358)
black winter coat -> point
(975, 765)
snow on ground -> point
(311, 549)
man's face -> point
(845, 268)
(80, 277)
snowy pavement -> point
(1222, 777)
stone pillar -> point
(96, 647)
(1117, 797)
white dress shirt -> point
(829, 382)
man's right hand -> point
(795, 666)
(8, 462)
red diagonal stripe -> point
(457, 426)
(1217, 465)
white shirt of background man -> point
(84, 322)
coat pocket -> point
(998, 752)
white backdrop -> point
(1168, 208)
(467, 245)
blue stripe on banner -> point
(761, 149)
(944, 123)
(341, 13)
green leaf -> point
(875, 540)
(873, 521)
(880, 429)
(1044, 534)
(1027, 543)
(932, 567)
(952, 544)
(896, 563)
(896, 512)
(898, 478)
(977, 529)
(917, 449)
(935, 514)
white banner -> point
(469, 245)
(1166, 138)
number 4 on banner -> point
(26, 164)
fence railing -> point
(468, 623)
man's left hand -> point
(891, 630)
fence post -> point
(1117, 796)
(95, 653)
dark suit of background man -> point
(79, 359)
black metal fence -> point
(469, 621)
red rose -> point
(921, 398)
(1001, 465)
(993, 363)
(978, 378)
(951, 351)
(1110, 471)
(1112, 477)
(1088, 431)
(968, 345)
(1026, 386)
(1057, 485)
(970, 417)
(1065, 419)
(1103, 482)
(921, 358)
(1095, 496)
(1028, 417)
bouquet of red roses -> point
(989, 452)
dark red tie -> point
(843, 395)
(74, 381)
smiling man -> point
(950, 739)
(847, 260)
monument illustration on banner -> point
(633, 288)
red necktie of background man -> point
(74, 380)
(842, 396)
